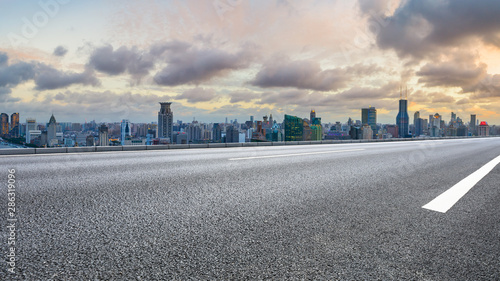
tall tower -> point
(103, 135)
(14, 124)
(402, 119)
(51, 131)
(369, 117)
(4, 124)
(165, 121)
(472, 124)
(30, 126)
(125, 130)
(312, 115)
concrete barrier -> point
(250, 144)
(216, 145)
(50, 150)
(134, 147)
(304, 142)
(178, 146)
(81, 149)
(315, 142)
(233, 144)
(199, 145)
(264, 143)
(291, 143)
(156, 147)
(15, 151)
(278, 143)
(108, 148)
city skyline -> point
(235, 59)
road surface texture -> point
(313, 212)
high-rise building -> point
(232, 134)
(369, 117)
(472, 124)
(217, 133)
(165, 121)
(294, 128)
(51, 132)
(402, 120)
(103, 135)
(435, 128)
(417, 125)
(367, 132)
(312, 115)
(30, 126)
(14, 124)
(4, 124)
(125, 131)
(194, 132)
(483, 129)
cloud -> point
(3, 59)
(60, 51)
(175, 46)
(48, 78)
(451, 73)
(441, 98)
(114, 62)
(489, 87)
(420, 28)
(243, 96)
(193, 65)
(197, 95)
(307, 74)
(14, 74)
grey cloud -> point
(489, 87)
(160, 48)
(308, 75)
(243, 96)
(60, 51)
(3, 59)
(441, 98)
(420, 27)
(121, 60)
(451, 73)
(197, 95)
(193, 66)
(48, 78)
(14, 74)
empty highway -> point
(321, 212)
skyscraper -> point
(402, 119)
(232, 134)
(30, 126)
(418, 125)
(312, 115)
(103, 135)
(51, 132)
(294, 128)
(472, 124)
(369, 117)
(217, 132)
(4, 124)
(14, 124)
(125, 130)
(165, 121)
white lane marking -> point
(294, 154)
(447, 199)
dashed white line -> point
(447, 199)
(294, 154)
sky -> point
(116, 59)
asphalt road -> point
(313, 212)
